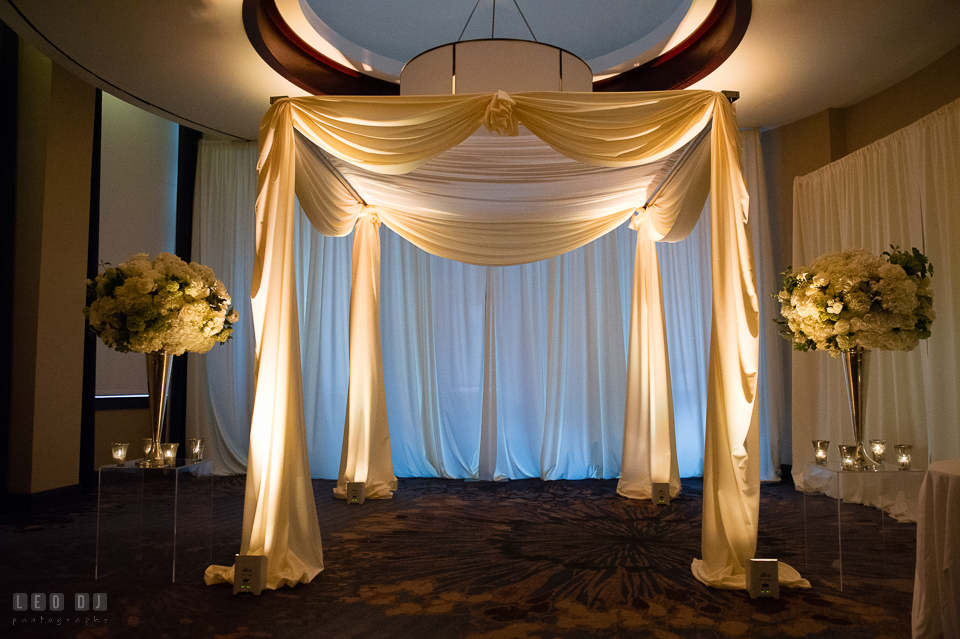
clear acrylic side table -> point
(155, 521)
(847, 534)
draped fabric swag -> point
(901, 190)
(563, 324)
(393, 136)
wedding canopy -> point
(589, 165)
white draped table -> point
(936, 591)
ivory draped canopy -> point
(607, 135)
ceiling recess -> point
(692, 59)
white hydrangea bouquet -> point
(163, 306)
(854, 298)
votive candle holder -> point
(169, 453)
(195, 448)
(904, 454)
(820, 447)
(119, 453)
(878, 448)
(848, 457)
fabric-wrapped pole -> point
(366, 455)
(731, 485)
(649, 443)
(279, 512)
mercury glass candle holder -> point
(147, 446)
(169, 453)
(119, 453)
(848, 457)
(820, 447)
(878, 447)
(195, 448)
(904, 452)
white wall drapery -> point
(902, 190)
(523, 362)
(220, 397)
(440, 436)
(433, 310)
(774, 409)
(642, 126)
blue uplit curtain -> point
(553, 333)
(687, 295)
(323, 292)
(558, 332)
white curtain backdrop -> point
(323, 281)
(220, 391)
(396, 137)
(687, 291)
(902, 190)
(558, 331)
(774, 410)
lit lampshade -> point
(493, 64)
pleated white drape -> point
(324, 276)
(366, 453)
(396, 136)
(687, 291)
(432, 327)
(902, 190)
(220, 395)
(774, 410)
(505, 372)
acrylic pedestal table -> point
(155, 521)
(847, 534)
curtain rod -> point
(687, 152)
(320, 155)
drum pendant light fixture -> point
(494, 64)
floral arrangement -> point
(165, 306)
(854, 298)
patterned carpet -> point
(479, 560)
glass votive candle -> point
(119, 453)
(877, 449)
(147, 446)
(848, 457)
(169, 453)
(820, 447)
(903, 455)
(195, 448)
